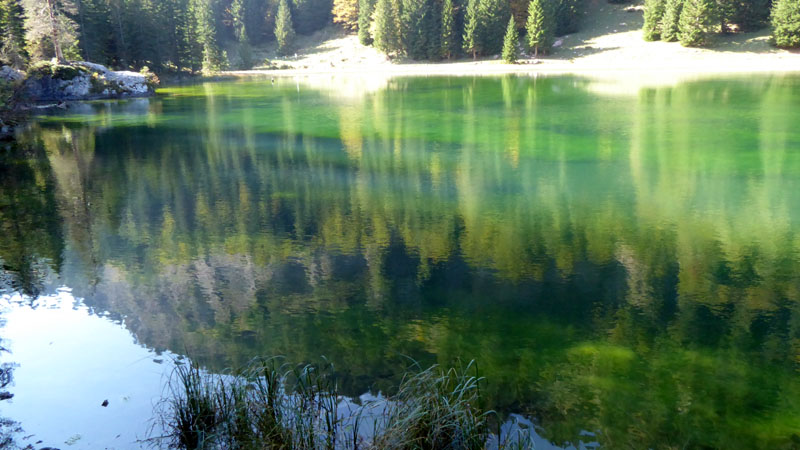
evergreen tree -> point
(786, 24)
(653, 16)
(472, 29)
(696, 18)
(345, 12)
(284, 31)
(510, 42)
(566, 14)
(365, 9)
(538, 28)
(50, 31)
(493, 14)
(421, 23)
(751, 14)
(309, 16)
(239, 13)
(213, 57)
(449, 32)
(12, 27)
(671, 19)
(384, 27)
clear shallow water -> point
(621, 261)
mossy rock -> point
(58, 71)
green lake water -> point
(619, 261)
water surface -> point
(623, 262)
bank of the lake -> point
(609, 44)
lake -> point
(622, 261)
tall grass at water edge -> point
(272, 405)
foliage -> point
(472, 29)
(41, 30)
(511, 42)
(238, 15)
(751, 14)
(12, 28)
(450, 37)
(653, 17)
(539, 29)
(786, 24)
(365, 9)
(670, 23)
(310, 15)
(345, 12)
(695, 22)
(284, 31)
(567, 15)
(421, 22)
(214, 59)
(385, 30)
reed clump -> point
(272, 405)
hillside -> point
(610, 40)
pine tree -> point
(671, 20)
(12, 27)
(538, 27)
(510, 42)
(49, 29)
(696, 18)
(213, 57)
(449, 33)
(284, 30)
(238, 14)
(365, 9)
(345, 12)
(384, 27)
(494, 14)
(309, 16)
(653, 16)
(786, 24)
(472, 29)
(421, 25)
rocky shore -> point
(52, 82)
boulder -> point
(48, 81)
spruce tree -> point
(493, 14)
(472, 29)
(384, 27)
(539, 27)
(696, 18)
(671, 19)
(421, 25)
(653, 16)
(510, 42)
(213, 57)
(238, 14)
(284, 30)
(12, 28)
(786, 23)
(449, 31)
(365, 8)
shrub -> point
(786, 24)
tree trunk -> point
(51, 8)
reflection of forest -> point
(626, 265)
